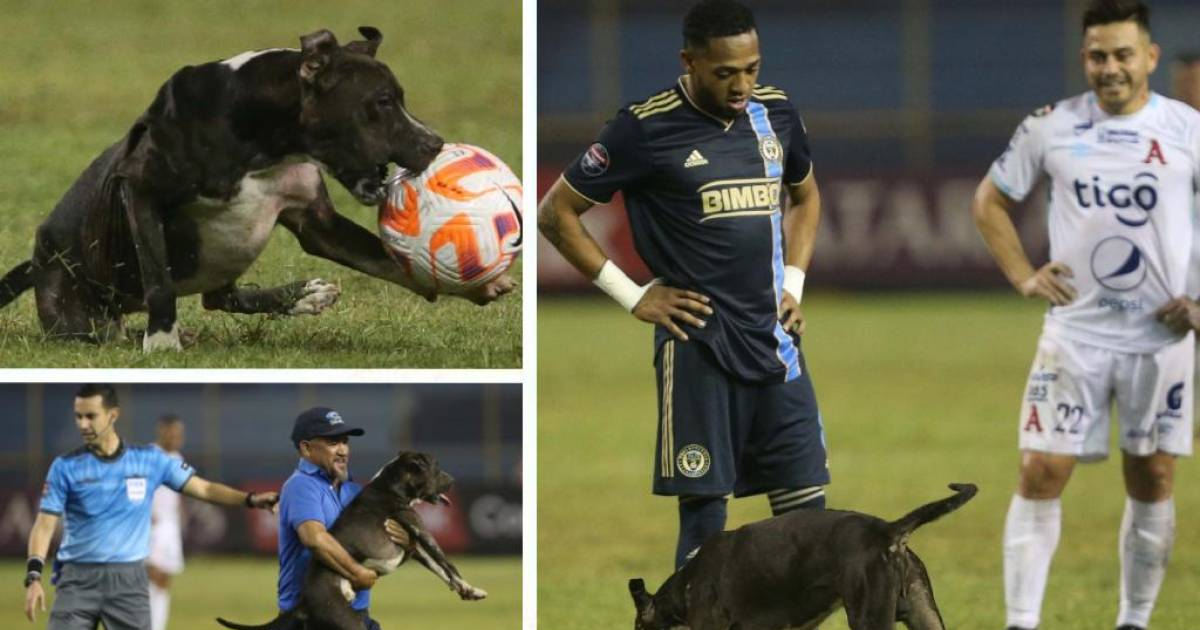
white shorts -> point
(1072, 388)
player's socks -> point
(1147, 533)
(785, 500)
(160, 607)
(1031, 533)
(699, 518)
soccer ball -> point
(456, 225)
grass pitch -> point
(77, 74)
(242, 589)
(916, 391)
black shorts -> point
(718, 435)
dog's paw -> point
(471, 593)
(316, 296)
(162, 340)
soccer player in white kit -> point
(166, 535)
(1121, 164)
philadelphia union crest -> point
(693, 460)
(770, 148)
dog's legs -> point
(304, 297)
(921, 611)
(872, 596)
(67, 308)
(431, 556)
(146, 226)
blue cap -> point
(321, 422)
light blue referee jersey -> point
(105, 501)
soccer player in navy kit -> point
(102, 491)
(704, 167)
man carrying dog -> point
(704, 167)
(102, 491)
(1122, 163)
(309, 503)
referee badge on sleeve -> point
(135, 489)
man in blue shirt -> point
(102, 493)
(723, 206)
(309, 503)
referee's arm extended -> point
(39, 546)
(221, 494)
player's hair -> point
(1100, 12)
(106, 392)
(715, 18)
(168, 419)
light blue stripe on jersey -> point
(105, 504)
(761, 123)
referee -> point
(102, 490)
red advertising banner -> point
(888, 232)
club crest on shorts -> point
(693, 461)
(770, 148)
(135, 489)
(594, 161)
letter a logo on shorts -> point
(1033, 422)
(1155, 153)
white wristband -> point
(793, 281)
(619, 287)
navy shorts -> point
(718, 435)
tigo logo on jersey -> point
(1138, 198)
(693, 461)
(135, 489)
(334, 418)
(1118, 264)
(594, 161)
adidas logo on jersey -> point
(694, 159)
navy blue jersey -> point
(704, 198)
(105, 501)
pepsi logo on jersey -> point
(1141, 195)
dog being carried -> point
(402, 483)
(794, 570)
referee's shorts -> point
(116, 593)
(718, 435)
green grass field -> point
(916, 391)
(77, 74)
(242, 589)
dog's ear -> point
(641, 599)
(368, 47)
(316, 53)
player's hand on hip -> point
(790, 315)
(668, 306)
(1180, 315)
(1050, 283)
(35, 598)
(490, 292)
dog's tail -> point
(284, 620)
(903, 527)
(16, 282)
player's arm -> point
(221, 494)
(800, 223)
(332, 554)
(559, 222)
(992, 210)
(39, 545)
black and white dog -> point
(187, 200)
(325, 598)
(794, 570)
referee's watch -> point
(32, 577)
(33, 570)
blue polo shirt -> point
(105, 501)
(308, 495)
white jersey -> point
(1121, 212)
(166, 532)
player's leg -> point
(1155, 407)
(1064, 417)
(160, 600)
(77, 598)
(784, 450)
(126, 596)
(693, 459)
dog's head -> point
(648, 616)
(415, 477)
(353, 115)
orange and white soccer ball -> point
(457, 225)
